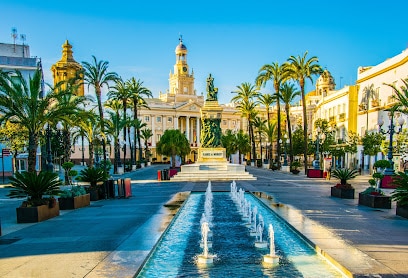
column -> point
(154, 137)
(164, 120)
(175, 122)
(188, 128)
(198, 130)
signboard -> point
(5, 152)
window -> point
(185, 89)
(169, 119)
(224, 122)
(158, 119)
(158, 137)
(147, 119)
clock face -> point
(184, 69)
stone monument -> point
(212, 163)
(210, 137)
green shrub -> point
(34, 186)
(401, 192)
(382, 163)
(344, 174)
(73, 192)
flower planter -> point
(37, 214)
(295, 171)
(75, 202)
(344, 193)
(402, 211)
(374, 201)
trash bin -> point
(121, 188)
(110, 188)
(158, 175)
(165, 174)
(127, 185)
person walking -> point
(328, 176)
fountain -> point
(178, 253)
(271, 258)
(252, 231)
(259, 243)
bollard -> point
(159, 175)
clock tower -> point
(181, 81)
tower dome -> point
(325, 83)
(181, 48)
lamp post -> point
(316, 162)
(49, 166)
(285, 157)
(132, 156)
(391, 130)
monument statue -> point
(211, 91)
(211, 118)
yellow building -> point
(374, 96)
(67, 68)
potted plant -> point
(73, 198)
(67, 166)
(39, 189)
(343, 189)
(95, 176)
(295, 167)
(380, 166)
(374, 197)
(400, 194)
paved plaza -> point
(112, 238)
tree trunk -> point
(302, 89)
(276, 85)
(32, 151)
(290, 133)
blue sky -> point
(230, 39)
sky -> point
(231, 40)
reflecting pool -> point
(236, 255)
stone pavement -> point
(112, 238)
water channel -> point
(235, 254)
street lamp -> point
(322, 136)
(391, 130)
(49, 166)
(132, 155)
(287, 141)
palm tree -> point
(277, 74)
(173, 143)
(121, 93)
(288, 95)
(96, 75)
(20, 102)
(300, 69)
(271, 133)
(69, 98)
(137, 124)
(89, 130)
(137, 93)
(267, 100)
(147, 133)
(114, 125)
(260, 126)
(243, 144)
(401, 95)
(246, 98)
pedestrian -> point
(328, 176)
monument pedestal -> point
(212, 165)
